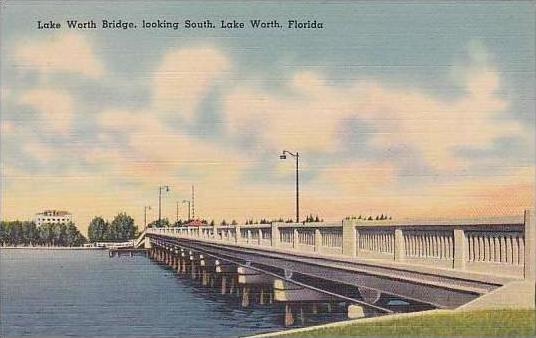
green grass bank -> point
(497, 323)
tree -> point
(15, 233)
(234, 222)
(98, 229)
(223, 222)
(60, 234)
(73, 237)
(122, 227)
(30, 233)
(46, 234)
(3, 233)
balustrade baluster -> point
(515, 249)
(503, 248)
(509, 252)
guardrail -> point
(498, 246)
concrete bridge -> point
(370, 265)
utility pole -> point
(186, 201)
(160, 202)
(147, 207)
(177, 211)
(193, 202)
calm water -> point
(86, 293)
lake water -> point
(86, 293)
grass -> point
(499, 323)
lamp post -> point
(177, 221)
(283, 156)
(160, 202)
(145, 208)
(187, 201)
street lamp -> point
(187, 201)
(283, 156)
(145, 208)
(160, 202)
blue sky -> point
(390, 105)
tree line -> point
(121, 228)
(381, 217)
(165, 223)
(26, 233)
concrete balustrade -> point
(496, 246)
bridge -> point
(375, 267)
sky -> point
(408, 109)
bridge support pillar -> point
(288, 292)
(184, 260)
(232, 285)
(261, 296)
(355, 312)
(289, 316)
(175, 259)
(254, 282)
(245, 296)
(193, 267)
(208, 267)
(223, 284)
(147, 243)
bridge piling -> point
(289, 316)
(245, 296)
(232, 285)
(223, 284)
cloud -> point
(59, 53)
(39, 151)
(311, 117)
(56, 108)
(7, 127)
(151, 150)
(184, 77)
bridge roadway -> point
(344, 279)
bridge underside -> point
(364, 284)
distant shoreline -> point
(51, 248)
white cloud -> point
(39, 151)
(56, 108)
(184, 77)
(64, 53)
(154, 151)
(311, 117)
(7, 127)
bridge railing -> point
(501, 246)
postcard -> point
(267, 168)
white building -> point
(53, 217)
